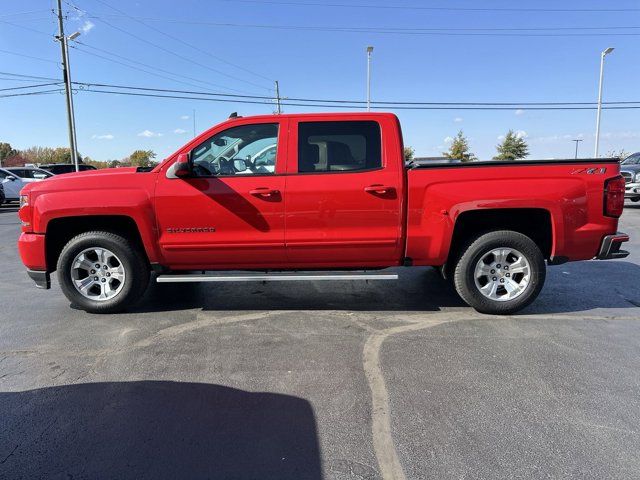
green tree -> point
(459, 149)
(142, 158)
(6, 151)
(513, 147)
(409, 152)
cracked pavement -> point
(326, 380)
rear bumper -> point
(42, 279)
(610, 246)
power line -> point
(319, 105)
(40, 32)
(154, 70)
(28, 56)
(449, 9)
(21, 75)
(378, 29)
(29, 86)
(177, 39)
(43, 92)
(171, 52)
(21, 13)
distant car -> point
(12, 185)
(30, 174)
(630, 170)
(1, 194)
(60, 168)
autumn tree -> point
(142, 158)
(6, 151)
(459, 149)
(409, 152)
(513, 147)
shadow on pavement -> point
(156, 430)
(573, 287)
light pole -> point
(369, 52)
(602, 55)
(577, 140)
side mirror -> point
(220, 142)
(12, 178)
(239, 165)
(181, 168)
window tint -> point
(338, 146)
(243, 150)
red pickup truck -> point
(316, 197)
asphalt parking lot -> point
(323, 380)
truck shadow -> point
(572, 287)
(156, 430)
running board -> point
(274, 277)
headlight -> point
(637, 177)
(24, 201)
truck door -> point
(230, 212)
(344, 196)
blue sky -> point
(323, 64)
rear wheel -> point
(500, 272)
(101, 272)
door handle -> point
(264, 192)
(378, 189)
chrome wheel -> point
(502, 274)
(98, 274)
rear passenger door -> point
(343, 196)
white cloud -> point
(106, 136)
(521, 134)
(519, 112)
(180, 130)
(149, 134)
(500, 137)
(458, 120)
(448, 140)
(87, 26)
(184, 117)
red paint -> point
(336, 219)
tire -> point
(505, 292)
(112, 292)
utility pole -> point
(279, 107)
(577, 140)
(66, 76)
(369, 52)
(602, 55)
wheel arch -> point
(61, 230)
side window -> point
(339, 146)
(2, 175)
(242, 150)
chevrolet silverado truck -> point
(317, 197)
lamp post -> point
(369, 52)
(602, 55)
(577, 140)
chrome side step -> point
(273, 277)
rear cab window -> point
(339, 146)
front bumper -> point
(610, 246)
(632, 190)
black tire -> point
(464, 273)
(132, 259)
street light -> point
(602, 55)
(369, 52)
(577, 140)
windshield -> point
(632, 160)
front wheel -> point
(101, 272)
(500, 272)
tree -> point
(459, 149)
(6, 151)
(513, 147)
(409, 152)
(45, 155)
(622, 154)
(142, 158)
